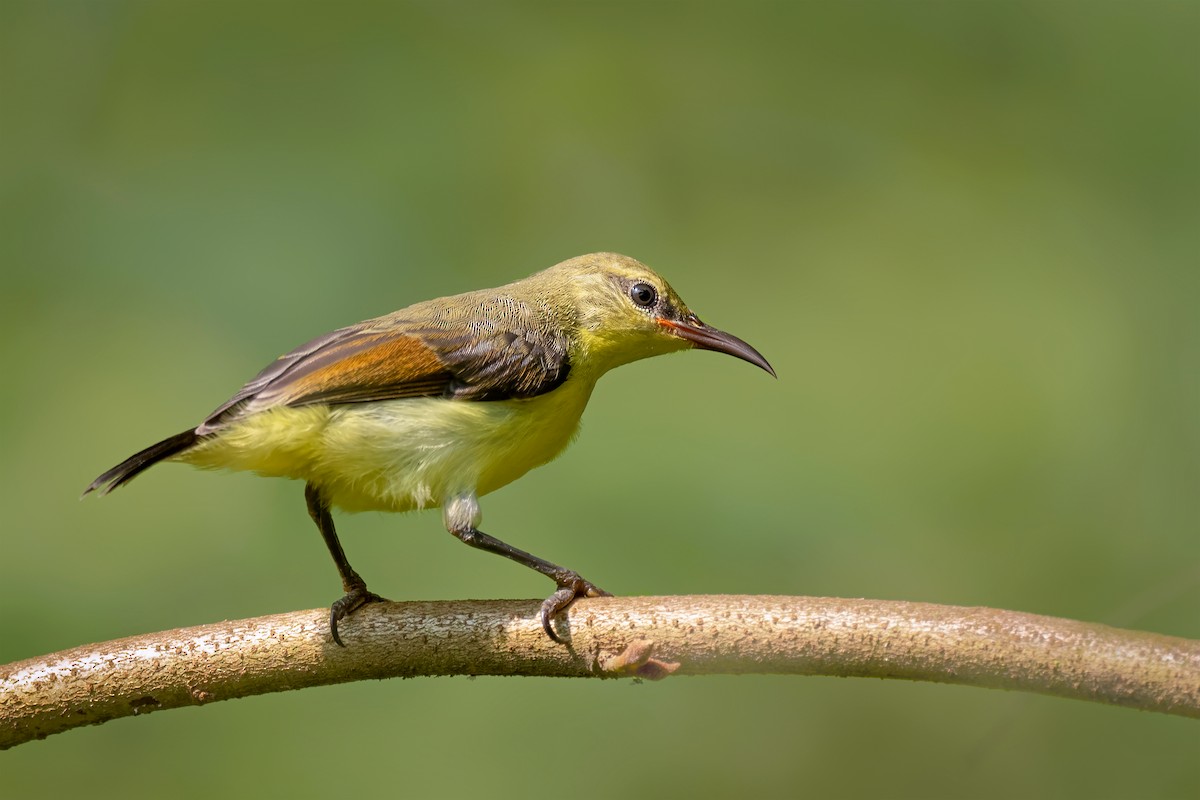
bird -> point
(442, 402)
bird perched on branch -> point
(439, 403)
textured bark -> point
(649, 637)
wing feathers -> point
(505, 364)
(377, 366)
(472, 357)
(274, 372)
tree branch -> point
(647, 637)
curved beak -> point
(708, 338)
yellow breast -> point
(399, 455)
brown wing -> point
(390, 359)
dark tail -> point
(133, 466)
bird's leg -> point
(570, 583)
(354, 586)
(462, 516)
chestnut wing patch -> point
(362, 364)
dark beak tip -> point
(764, 365)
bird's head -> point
(625, 311)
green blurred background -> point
(966, 234)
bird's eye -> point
(643, 294)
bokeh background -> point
(966, 234)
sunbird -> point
(440, 403)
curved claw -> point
(570, 587)
(355, 599)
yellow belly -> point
(399, 455)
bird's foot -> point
(356, 597)
(570, 586)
